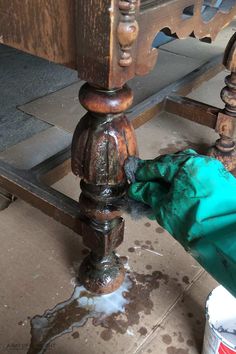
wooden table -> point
(109, 42)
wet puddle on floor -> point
(114, 312)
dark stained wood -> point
(195, 111)
(114, 43)
(127, 31)
(102, 142)
(230, 55)
(104, 138)
(153, 17)
(102, 40)
(225, 147)
(169, 15)
(45, 28)
(114, 38)
(94, 36)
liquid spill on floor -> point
(114, 312)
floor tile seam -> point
(157, 327)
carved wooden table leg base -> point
(224, 149)
(102, 141)
(102, 275)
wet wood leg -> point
(102, 141)
(224, 149)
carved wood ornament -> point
(133, 26)
(199, 18)
(127, 30)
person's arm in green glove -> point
(194, 198)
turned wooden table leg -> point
(102, 141)
(224, 149)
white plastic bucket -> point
(220, 331)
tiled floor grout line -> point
(149, 338)
(20, 107)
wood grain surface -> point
(109, 40)
(45, 28)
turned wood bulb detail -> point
(229, 60)
(104, 138)
(228, 95)
(127, 31)
(105, 102)
(100, 149)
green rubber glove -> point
(193, 197)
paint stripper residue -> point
(130, 300)
(74, 313)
